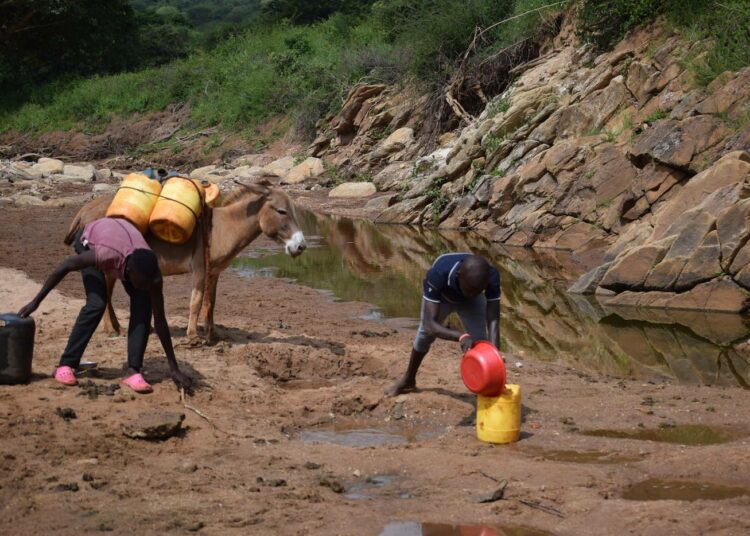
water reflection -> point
(677, 490)
(384, 265)
(441, 529)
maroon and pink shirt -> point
(112, 240)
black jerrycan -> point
(16, 348)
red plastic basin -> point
(483, 369)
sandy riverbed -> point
(292, 361)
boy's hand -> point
(466, 342)
(181, 379)
(29, 308)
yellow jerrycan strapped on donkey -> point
(170, 210)
(135, 200)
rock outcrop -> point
(617, 155)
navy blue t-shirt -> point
(441, 281)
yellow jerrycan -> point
(211, 192)
(499, 417)
(135, 200)
(177, 211)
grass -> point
(655, 116)
(496, 107)
(721, 25)
(303, 72)
(380, 133)
(438, 199)
(492, 142)
(239, 84)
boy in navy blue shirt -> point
(462, 283)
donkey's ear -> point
(259, 188)
(265, 181)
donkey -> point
(247, 212)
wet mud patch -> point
(286, 361)
(306, 385)
(655, 489)
(376, 487)
(592, 457)
(410, 528)
(363, 434)
(689, 434)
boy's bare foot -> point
(400, 387)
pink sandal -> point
(65, 375)
(138, 383)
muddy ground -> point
(292, 366)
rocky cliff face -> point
(616, 155)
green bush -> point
(300, 70)
(437, 32)
(725, 25)
(605, 22)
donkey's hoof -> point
(197, 341)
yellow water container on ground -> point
(211, 191)
(135, 200)
(499, 417)
(176, 213)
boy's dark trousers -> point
(91, 314)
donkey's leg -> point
(209, 305)
(111, 324)
(196, 300)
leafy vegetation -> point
(655, 116)
(238, 63)
(725, 25)
(293, 57)
(437, 198)
(203, 14)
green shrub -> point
(301, 71)
(604, 22)
(725, 25)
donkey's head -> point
(278, 217)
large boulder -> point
(280, 167)
(594, 112)
(677, 143)
(702, 265)
(731, 170)
(630, 269)
(253, 160)
(720, 295)
(26, 200)
(642, 80)
(588, 282)
(311, 168)
(46, 167)
(407, 211)
(397, 141)
(733, 228)
(201, 172)
(344, 123)
(728, 98)
(394, 176)
(249, 172)
(697, 225)
(84, 173)
(353, 190)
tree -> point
(304, 12)
(43, 39)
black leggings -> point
(91, 314)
